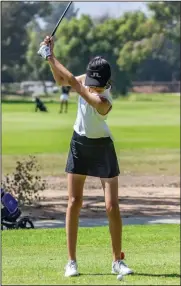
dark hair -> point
(98, 72)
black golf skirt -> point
(92, 157)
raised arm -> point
(60, 78)
(63, 75)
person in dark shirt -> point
(40, 105)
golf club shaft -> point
(59, 21)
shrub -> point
(25, 184)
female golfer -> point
(91, 151)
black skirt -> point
(92, 157)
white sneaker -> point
(71, 269)
(119, 267)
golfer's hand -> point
(44, 51)
(49, 41)
(46, 47)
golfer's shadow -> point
(171, 275)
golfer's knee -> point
(75, 203)
(112, 208)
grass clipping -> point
(25, 183)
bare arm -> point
(65, 77)
(102, 105)
(60, 78)
(57, 77)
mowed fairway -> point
(146, 129)
(38, 257)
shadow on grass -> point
(172, 275)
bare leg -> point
(66, 106)
(61, 106)
(75, 192)
(110, 187)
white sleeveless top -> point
(89, 122)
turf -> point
(140, 124)
(38, 257)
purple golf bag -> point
(10, 213)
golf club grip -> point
(53, 33)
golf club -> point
(59, 21)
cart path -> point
(87, 222)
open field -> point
(38, 257)
(146, 129)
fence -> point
(156, 87)
(30, 88)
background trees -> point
(138, 46)
(16, 17)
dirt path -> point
(139, 196)
(124, 181)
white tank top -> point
(89, 122)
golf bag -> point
(40, 105)
(11, 214)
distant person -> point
(40, 105)
(64, 98)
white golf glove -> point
(44, 51)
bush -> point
(25, 184)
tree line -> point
(139, 46)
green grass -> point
(38, 257)
(144, 124)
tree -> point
(72, 45)
(164, 63)
(102, 18)
(135, 34)
(38, 68)
(57, 9)
(137, 46)
(19, 19)
(15, 18)
(107, 44)
(147, 50)
(167, 14)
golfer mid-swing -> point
(91, 151)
